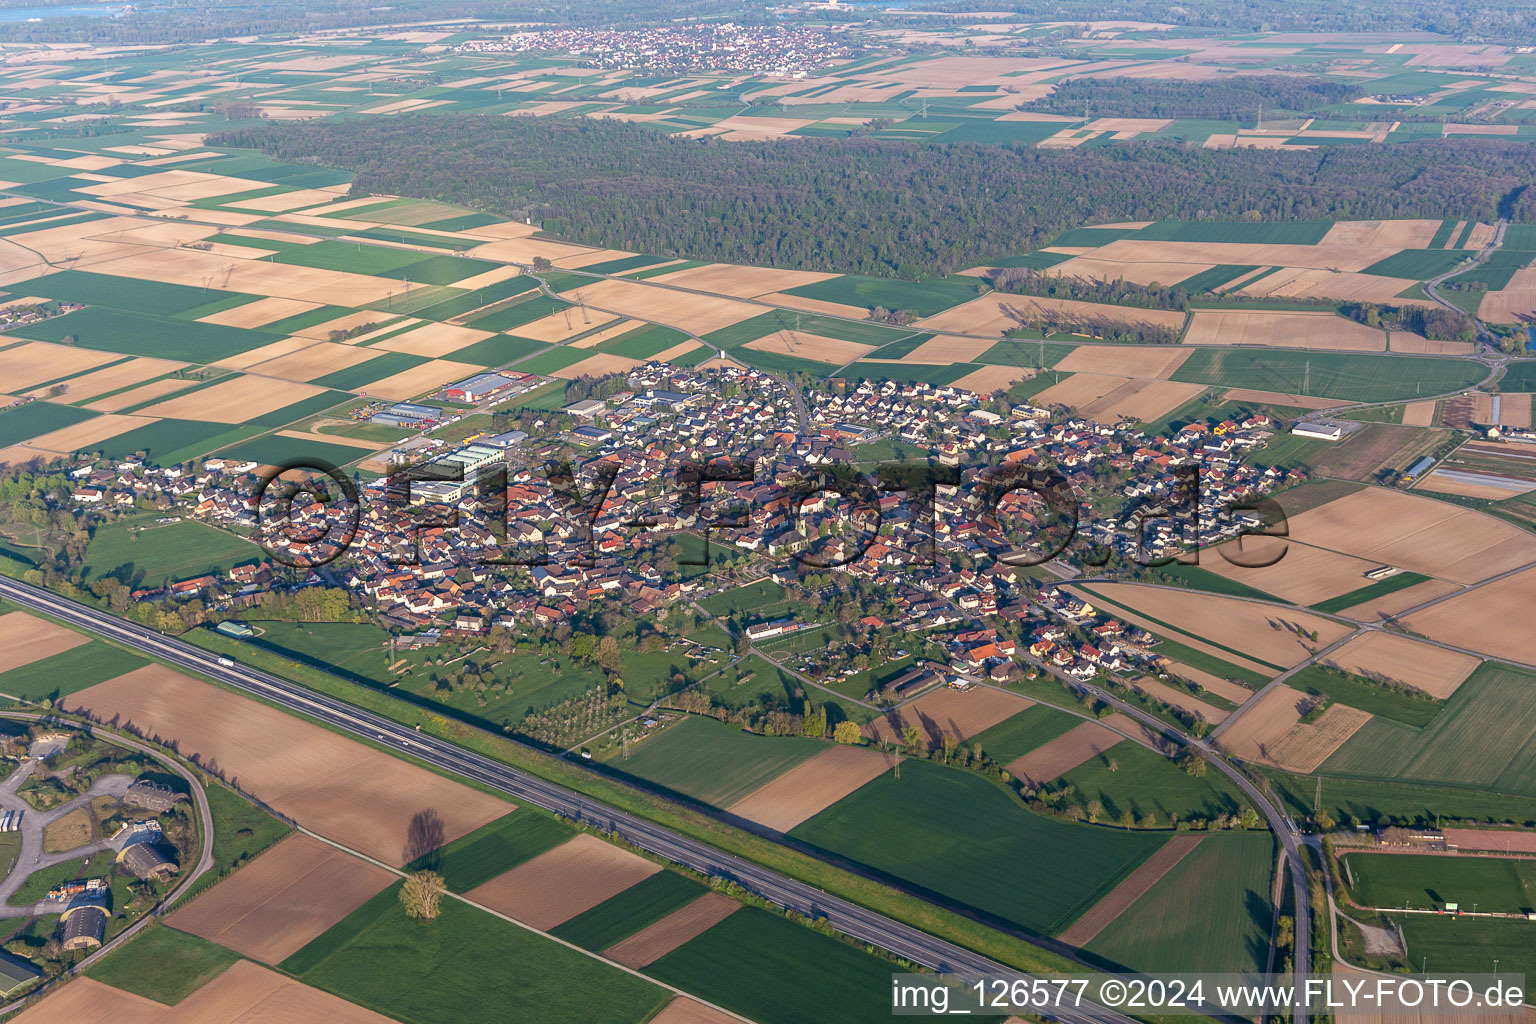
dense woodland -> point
(869, 206)
(1223, 100)
(1431, 321)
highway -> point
(849, 918)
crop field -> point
(636, 908)
(775, 971)
(925, 298)
(74, 669)
(1482, 739)
(947, 816)
(493, 849)
(812, 786)
(342, 789)
(25, 639)
(1145, 782)
(1023, 732)
(1355, 377)
(150, 555)
(1210, 912)
(563, 882)
(1394, 658)
(276, 904)
(378, 958)
(1428, 882)
(163, 964)
(702, 759)
(1367, 695)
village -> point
(970, 570)
(756, 50)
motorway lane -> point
(849, 918)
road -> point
(849, 918)
(1483, 334)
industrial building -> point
(478, 388)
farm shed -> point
(84, 927)
(14, 973)
(146, 861)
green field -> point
(1429, 881)
(963, 838)
(1359, 692)
(1381, 802)
(495, 848)
(142, 334)
(1482, 739)
(1296, 232)
(713, 764)
(1211, 912)
(117, 292)
(155, 555)
(74, 669)
(774, 971)
(760, 601)
(272, 450)
(34, 419)
(1418, 264)
(1442, 945)
(163, 964)
(1353, 376)
(1018, 734)
(1210, 280)
(637, 907)
(1370, 592)
(378, 958)
(925, 298)
(1145, 782)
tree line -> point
(882, 208)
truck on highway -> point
(227, 662)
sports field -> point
(947, 817)
(1429, 881)
(1470, 945)
(1211, 912)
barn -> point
(83, 927)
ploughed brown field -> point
(26, 638)
(1394, 658)
(947, 711)
(555, 886)
(1081, 743)
(682, 925)
(246, 993)
(812, 786)
(362, 798)
(270, 908)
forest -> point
(1222, 100)
(868, 206)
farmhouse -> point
(146, 861)
(83, 927)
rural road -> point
(849, 918)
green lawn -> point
(163, 964)
(155, 555)
(967, 840)
(1211, 912)
(760, 601)
(1443, 945)
(74, 669)
(710, 762)
(637, 907)
(467, 967)
(495, 848)
(1428, 882)
(1482, 739)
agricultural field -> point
(703, 760)
(945, 814)
(1212, 908)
